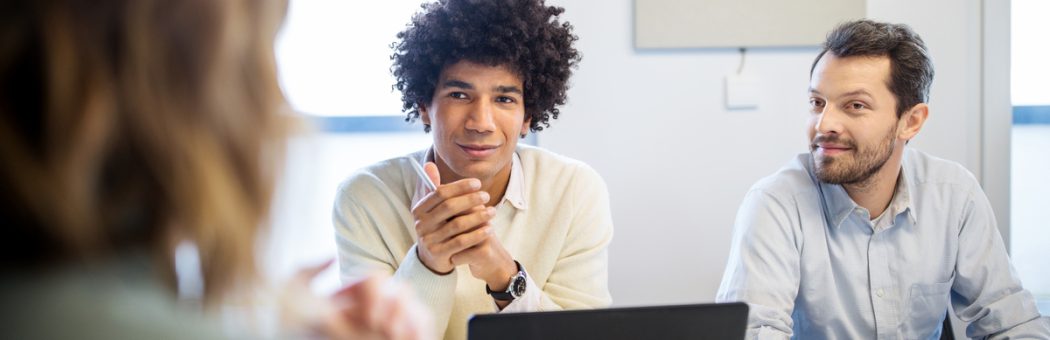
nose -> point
(829, 121)
(481, 117)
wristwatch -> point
(515, 289)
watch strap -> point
(507, 295)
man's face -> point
(853, 126)
(477, 115)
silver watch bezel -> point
(516, 281)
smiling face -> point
(477, 115)
(853, 128)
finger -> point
(359, 300)
(308, 273)
(400, 319)
(394, 315)
(432, 171)
(464, 223)
(469, 255)
(444, 192)
(465, 241)
(427, 223)
(457, 206)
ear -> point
(911, 122)
(525, 127)
(424, 115)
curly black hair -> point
(523, 35)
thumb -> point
(432, 172)
(308, 273)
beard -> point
(854, 167)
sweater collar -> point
(515, 194)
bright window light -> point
(1029, 67)
(333, 56)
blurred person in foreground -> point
(126, 129)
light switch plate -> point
(741, 92)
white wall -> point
(678, 163)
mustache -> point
(831, 139)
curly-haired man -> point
(509, 227)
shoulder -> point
(99, 302)
(543, 166)
(391, 177)
(929, 170)
(793, 179)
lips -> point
(832, 149)
(478, 150)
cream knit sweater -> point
(560, 238)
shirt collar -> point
(838, 205)
(515, 193)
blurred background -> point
(655, 124)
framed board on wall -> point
(739, 23)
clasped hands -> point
(453, 228)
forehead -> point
(833, 74)
(480, 74)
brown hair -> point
(911, 70)
(130, 125)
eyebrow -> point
(857, 93)
(509, 89)
(457, 83)
(847, 94)
(468, 86)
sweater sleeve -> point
(367, 222)
(580, 278)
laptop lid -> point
(695, 321)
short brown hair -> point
(911, 70)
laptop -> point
(695, 321)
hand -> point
(489, 262)
(450, 220)
(373, 308)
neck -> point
(496, 185)
(876, 192)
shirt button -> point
(880, 292)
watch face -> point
(519, 286)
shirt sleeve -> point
(363, 250)
(763, 269)
(580, 278)
(986, 291)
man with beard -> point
(863, 238)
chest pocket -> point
(927, 305)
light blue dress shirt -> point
(812, 264)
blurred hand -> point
(373, 308)
(377, 308)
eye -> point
(505, 100)
(816, 104)
(857, 106)
(458, 95)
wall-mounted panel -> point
(739, 23)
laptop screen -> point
(697, 321)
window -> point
(334, 56)
(333, 59)
(1030, 140)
